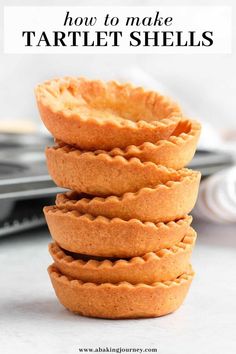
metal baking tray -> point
(25, 185)
(23, 172)
(209, 162)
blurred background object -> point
(217, 197)
(25, 186)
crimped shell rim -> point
(128, 195)
(106, 156)
(174, 116)
(54, 272)
(187, 243)
(91, 218)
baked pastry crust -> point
(165, 202)
(175, 152)
(94, 115)
(100, 236)
(99, 174)
(122, 300)
(166, 264)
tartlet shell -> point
(100, 174)
(166, 264)
(122, 300)
(100, 236)
(67, 108)
(166, 202)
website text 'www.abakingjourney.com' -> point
(117, 350)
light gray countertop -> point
(32, 321)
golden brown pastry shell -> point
(122, 300)
(100, 236)
(166, 264)
(94, 115)
(166, 202)
(99, 174)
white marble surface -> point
(32, 321)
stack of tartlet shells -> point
(122, 238)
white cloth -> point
(217, 197)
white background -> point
(204, 84)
